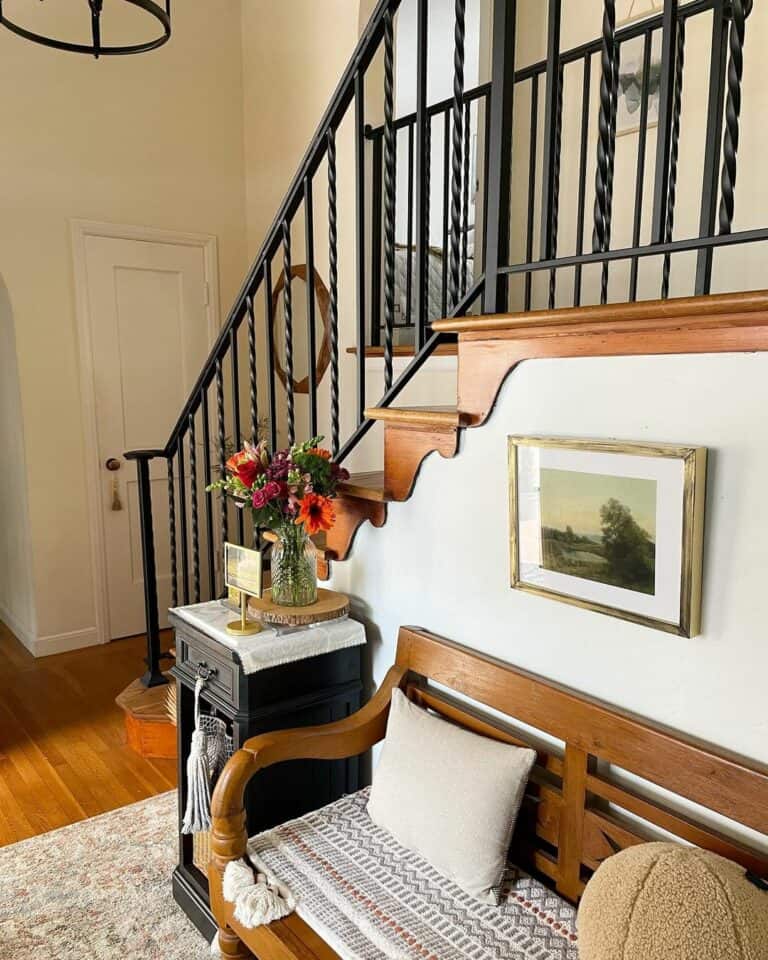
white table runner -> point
(275, 644)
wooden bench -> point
(566, 827)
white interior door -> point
(150, 331)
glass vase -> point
(293, 567)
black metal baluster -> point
(640, 177)
(465, 202)
(208, 497)
(237, 438)
(550, 158)
(710, 186)
(423, 163)
(153, 676)
(557, 147)
(458, 132)
(389, 196)
(333, 279)
(376, 230)
(582, 197)
(674, 153)
(740, 10)
(252, 372)
(172, 533)
(222, 431)
(193, 506)
(183, 523)
(360, 238)
(498, 168)
(664, 129)
(409, 320)
(309, 243)
(270, 330)
(604, 149)
(531, 183)
(446, 206)
(288, 323)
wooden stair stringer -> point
(490, 348)
(351, 512)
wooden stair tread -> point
(435, 416)
(366, 486)
(407, 350)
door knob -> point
(112, 464)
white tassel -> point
(197, 816)
(256, 901)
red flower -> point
(244, 468)
(316, 513)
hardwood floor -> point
(63, 752)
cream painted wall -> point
(442, 561)
(152, 140)
(17, 602)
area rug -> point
(99, 889)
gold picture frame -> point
(580, 568)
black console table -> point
(315, 689)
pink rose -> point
(263, 495)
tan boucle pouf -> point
(662, 901)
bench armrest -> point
(328, 741)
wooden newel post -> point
(153, 676)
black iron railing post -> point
(153, 676)
(664, 129)
(709, 191)
(423, 163)
(499, 170)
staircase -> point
(456, 298)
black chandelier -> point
(162, 14)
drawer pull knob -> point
(205, 672)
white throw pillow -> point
(450, 795)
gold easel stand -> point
(328, 606)
(243, 627)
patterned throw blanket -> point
(371, 899)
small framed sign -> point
(243, 572)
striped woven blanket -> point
(371, 899)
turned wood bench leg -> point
(232, 947)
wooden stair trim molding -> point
(350, 513)
(405, 447)
(365, 486)
(406, 350)
(689, 325)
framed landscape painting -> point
(612, 527)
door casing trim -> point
(80, 230)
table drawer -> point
(194, 658)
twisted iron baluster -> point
(193, 496)
(252, 370)
(389, 197)
(465, 204)
(222, 444)
(740, 10)
(556, 146)
(674, 153)
(458, 97)
(172, 534)
(288, 319)
(605, 120)
(333, 278)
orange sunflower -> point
(316, 513)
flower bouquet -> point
(291, 493)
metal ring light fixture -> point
(96, 48)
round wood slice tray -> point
(328, 606)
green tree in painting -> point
(627, 547)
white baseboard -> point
(64, 642)
(23, 634)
